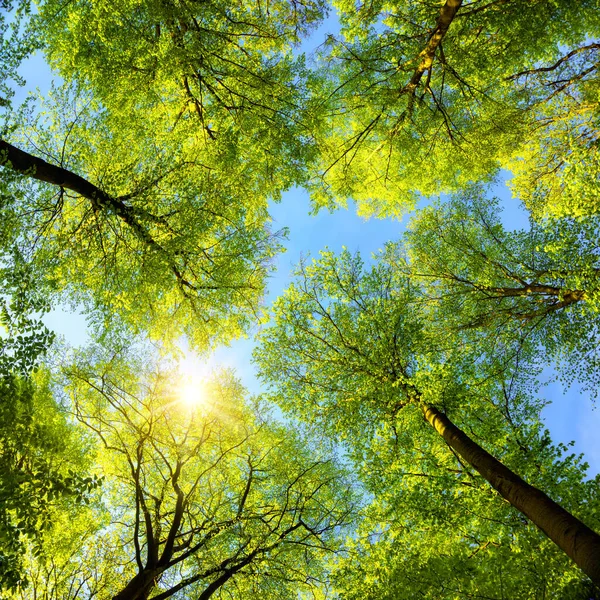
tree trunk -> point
(38, 168)
(139, 587)
(447, 14)
(568, 533)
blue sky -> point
(569, 416)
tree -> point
(354, 351)
(143, 195)
(161, 240)
(178, 124)
(42, 464)
(425, 98)
(221, 74)
(497, 290)
(205, 498)
(435, 529)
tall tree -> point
(354, 350)
(423, 98)
(203, 500)
(119, 222)
(183, 123)
(222, 72)
(495, 289)
(435, 529)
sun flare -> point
(192, 393)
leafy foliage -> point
(183, 121)
(41, 462)
(17, 42)
(356, 353)
(164, 241)
(216, 496)
(423, 98)
(218, 74)
(510, 293)
(141, 192)
(436, 530)
(24, 337)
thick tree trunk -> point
(139, 587)
(568, 533)
(38, 168)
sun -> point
(192, 393)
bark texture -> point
(575, 538)
(139, 587)
(426, 56)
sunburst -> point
(192, 392)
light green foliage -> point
(557, 168)
(435, 529)
(17, 41)
(188, 117)
(183, 248)
(352, 348)
(558, 177)
(23, 338)
(344, 338)
(508, 293)
(64, 571)
(213, 495)
(220, 74)
(178, 123)
(403, 117)
(355, 352)
(42, 464)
